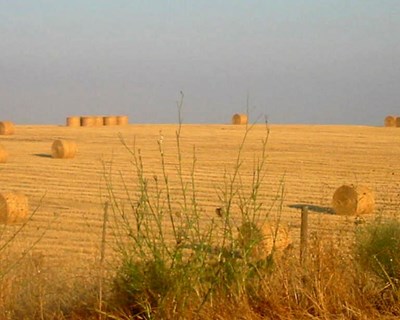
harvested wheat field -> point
(309, 162)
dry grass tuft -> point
(353, 200)
(33, 290)
(63, 149)
(14, 208)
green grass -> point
(378, 251)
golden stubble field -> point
(309, 161)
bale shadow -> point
(312, 207)
(42, 155)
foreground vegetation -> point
(330, 285)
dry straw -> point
(74, 121)
(6, 128)
(397, 122)
(110, 120)
(239, 119)
(63, 149)
(353, 200)
(3, 154)
(14, 208)
(98, 121)
(390, 121)
(122, 120)
(88, 121)
(263, 240)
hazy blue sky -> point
(300, 61)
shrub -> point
(378, 248)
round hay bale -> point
(239, 118)
(6, 128)
(397, 122)
(63, 149)
(88, 121)
(390, 121)
(14, 208)
(98, 121)
(353, 200)
(122, 120)
(261, 241)
(74, 121)
(110, 120)
(3, 154)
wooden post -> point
(303, 234)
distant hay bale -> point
(74, 121)
(353, 200)
(3, 154)
(122, 120)
(390, 121)
(14, 208)
(63, 149)
(110, 120)
(6, 128)
(397, 122)
(98, 121)
(263, 240)
(88, 121)
(239, 119)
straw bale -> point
(265, 239)
(397, 122)
(88, 121)
(122, 120)
(14, 208)
(63, 149)
(353, 200)
(390, 121)
(3, 154)
(98, 121)
(6, 128)
(74, 121)
(239, 119)
(110, 120)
